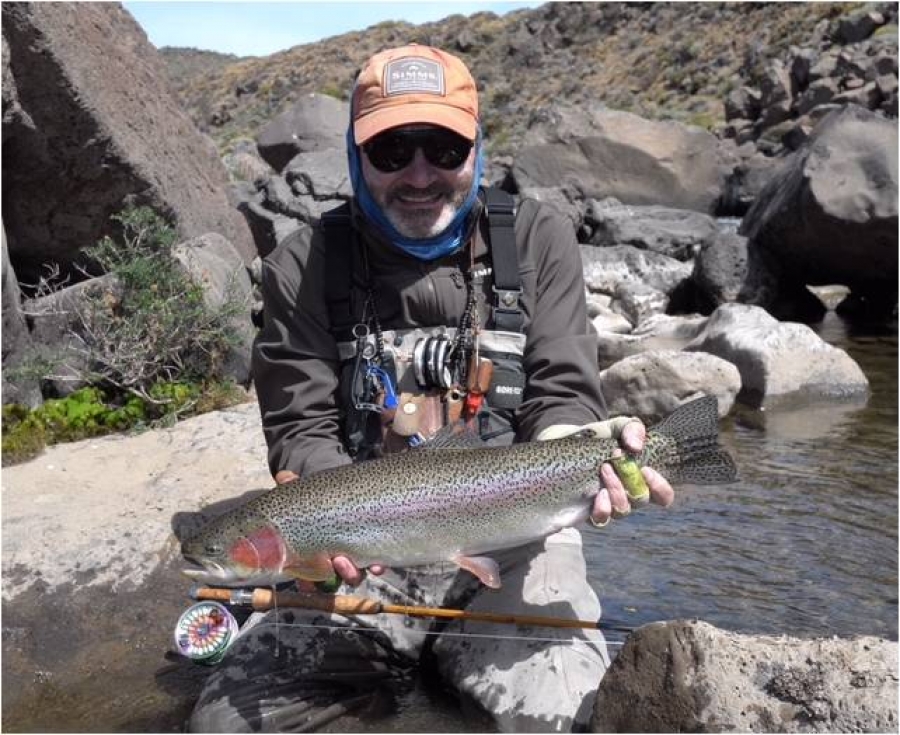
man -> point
(417, 310)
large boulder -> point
(688, 676)
(112, 571)
(17, 388)
(88, 120)
(676, 233)
(728, 271)
(658, 332)
(609, 153)
(608, 268)
(654, 384)
(214, 264)
(779, 362)
(830, 215)
(315, 122)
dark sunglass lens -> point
(389, 153)
(447, 150)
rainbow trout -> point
(433, 505)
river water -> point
(805, 544)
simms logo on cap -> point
(413, 76)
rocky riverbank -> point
(683, 303)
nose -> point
(419, 172)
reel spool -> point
(204, 632)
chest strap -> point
(500, 210)
(340, 255)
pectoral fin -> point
(311, 568)
(483, 567)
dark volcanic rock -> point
(16, 340)
(676, 233)
(688, 676)
(608, 153)
(317, 122)
(88, 120)
(830, 214)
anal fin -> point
(483, 567)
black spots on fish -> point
(685, 447)
(697, 419)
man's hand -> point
(612, 501)
(342, 566)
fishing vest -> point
(419, 411)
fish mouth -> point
(211, 573)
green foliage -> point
(23, 435)
(151, 348)
(156, 326)
(89, 412)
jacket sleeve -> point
(562, 373)
(295, 361)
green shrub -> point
(153, 348)
(157, 327)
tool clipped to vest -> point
(452, 378)
(481, 370)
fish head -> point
(237, 550)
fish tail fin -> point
(697, 457)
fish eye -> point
(213, 549)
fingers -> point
(601, 511)
(347, 570)
(283, 476)
(661, 491)
(352, 574)
(612, 500)
(633, 436)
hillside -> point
(660, 60)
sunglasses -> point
(395, 150)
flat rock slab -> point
(99, 512)
(91, 571)
(688, 676)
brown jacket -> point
(296, 364)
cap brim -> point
(459, 121)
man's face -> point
(420, 199)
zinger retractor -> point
(430, 362)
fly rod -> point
(262, 598)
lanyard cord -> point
(370, 303)
(465, 337)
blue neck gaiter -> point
(432, 248)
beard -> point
(428, 222)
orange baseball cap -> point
(414, 84)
